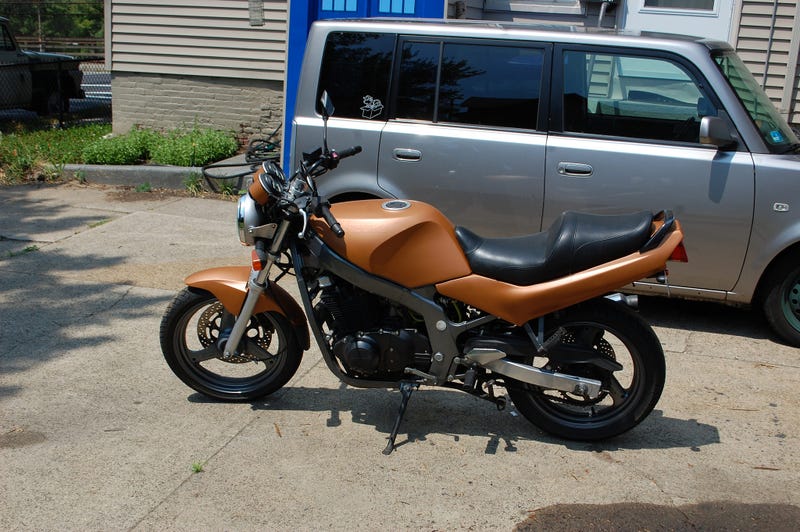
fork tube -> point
(256, 286)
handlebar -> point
(330, 219)
(347, 152)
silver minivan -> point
(504, 126)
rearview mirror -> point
(327, 105)
(715, 131)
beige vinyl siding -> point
(779, 62)
(198, 38)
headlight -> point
(249, 215)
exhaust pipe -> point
(494, 360)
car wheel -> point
(781, 299)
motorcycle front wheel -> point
(268, 357)
(610, 330)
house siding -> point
(182, 62)
(775, 63)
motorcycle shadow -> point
(455, 415)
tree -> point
(78, 19)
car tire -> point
(781, 299)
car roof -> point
(520, 30)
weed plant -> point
(194, 147)
(24, 153)
(43, 154)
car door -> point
(15, 76)
(355, 70)
(466, 132)
(628, 140)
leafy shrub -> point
(180, 148)
(114, 150)
(194, 148)
(22, 151)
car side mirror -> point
(715, 131)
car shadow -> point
(704, 316)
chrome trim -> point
(395, 205)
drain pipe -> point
(603, 6)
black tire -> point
(614, 331)
(780, 299)
(190, 329)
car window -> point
(356, 69)
(472, 84)
(8, 43)
(772, 127)
(632, 96)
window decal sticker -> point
(776, 136)
(372, 107)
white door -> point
(701, 18)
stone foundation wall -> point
(249, 108)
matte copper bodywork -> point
(520, 304)
(413, 247)
(229, 286)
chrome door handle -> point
(406, 154)
(575, 169)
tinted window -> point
(8, 44)
(416, 88)
(356, 69)
(472, 84)
(631, 96)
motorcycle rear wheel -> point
(627, 396)
(190, 330)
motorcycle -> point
(397, 297)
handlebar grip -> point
(330, 219)
(349, 152)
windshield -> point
(773, 128)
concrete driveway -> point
(97, 434)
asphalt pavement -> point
(97, 434)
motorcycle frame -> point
(442, 332)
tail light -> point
(679, 254)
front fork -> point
(255, 287)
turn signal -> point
(679, 254)
(255, 261)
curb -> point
(172, 177)
(157, 176)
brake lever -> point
(302, 232)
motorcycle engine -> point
(372, 337)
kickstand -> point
(406, 388)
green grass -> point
(42, 154)
(25, 153)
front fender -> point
(229, 285)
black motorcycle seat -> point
(574, 242)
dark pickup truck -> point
(37, 81)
